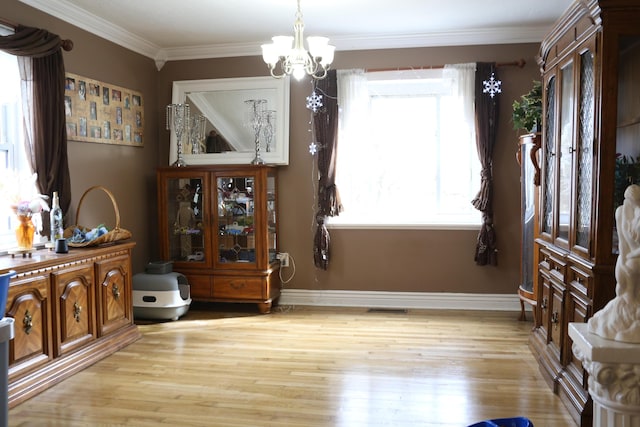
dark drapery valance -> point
(325, 123)
(486, 117)
(43, 78)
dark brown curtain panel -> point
(325, 124)
(43, 78)
(486, 110)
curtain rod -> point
(519, 63)
(65, 44)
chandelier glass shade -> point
(293, 59)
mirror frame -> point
(279, 156)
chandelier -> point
(293, 58)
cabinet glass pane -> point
(272, 217)
(565, 152)
(628, 121)
(585, 154)
(527, 206)
(236, 238)
(549, 157)
(184, 211)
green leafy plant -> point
(627, 172)
(527, 113)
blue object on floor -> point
(4, 289)
(505, 422)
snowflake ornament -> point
(314, 102)
(313, 148)
(492, 86)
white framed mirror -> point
(228, 137)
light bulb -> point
(298, 72)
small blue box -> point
(505, 422)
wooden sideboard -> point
(70, 311)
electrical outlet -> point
(284, 259)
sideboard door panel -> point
(29, 306)
(113, 278)
(74, 308)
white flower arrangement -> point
(18, 194)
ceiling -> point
(189, 29)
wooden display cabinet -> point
(591, 117)
(70, 310)
(527, 157)
(218, 225)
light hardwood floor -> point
(309, 366)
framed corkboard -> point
(103, 113)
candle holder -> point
(268, 128)
(196, 133)
(254, 120)
(178, 120)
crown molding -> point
(95, 25)
(61, 9)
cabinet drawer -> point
(581, 281)
(200, 285)
(554, 264)
(238, 287)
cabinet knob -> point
(544, 304)
(237, 285)
(77, 309)
(555, 317)
(115, 291)
(27, 322)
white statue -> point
(619, 320)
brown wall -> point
(384, 260)
(128, 172)
(388, 260)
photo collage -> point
(102, 113)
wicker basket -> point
(112, 236)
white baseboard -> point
(401, 300)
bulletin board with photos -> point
(103, 113)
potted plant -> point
(527, 113)
(627, 172)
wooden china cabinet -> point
(591, 101)
(218, 225)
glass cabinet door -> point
(185, 219)
(236, 219)
(272, 217)
(565, 152)
(548, 179)
(584, 176)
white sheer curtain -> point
(407, 135)
(353, 97)
(26, 77)
(461, 79)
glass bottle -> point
(56, 219)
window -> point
(406, 150)
(15, 172)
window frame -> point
(437, 222)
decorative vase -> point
(25, 232)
